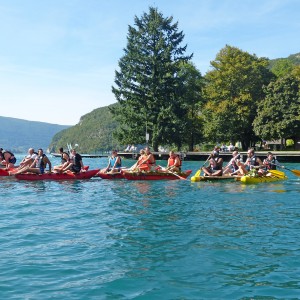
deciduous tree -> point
(278, 115)
(233, 90)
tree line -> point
(160, 91)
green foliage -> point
(278, 116)
(149, 86)
(193, 101)
(94, 132)
(282, 67)
(233, 90)
(293, 58)
(296, 72)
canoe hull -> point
(4, 172)
(155, 175)
(253, 180)
(55, 176)
(110, 176)
(214, 178)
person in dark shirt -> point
(76, 164)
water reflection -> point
(73, 186)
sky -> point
(58, 57)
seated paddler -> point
(215, 165)
(114, 163)
(174, 162)
(149, 162)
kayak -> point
(251, 179)
(156, 175)
(58, 176)
(118, 175)
(215, 178)
(4, 172)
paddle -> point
(166, 170)
(199, 171)
(277, 173)
(180, 177)
(296, 172)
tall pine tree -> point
(149, 84)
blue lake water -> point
(100, 239)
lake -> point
(101, 239)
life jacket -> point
(171, 161)
(233, 164)
(215, 166)
(252, 161)
(112, 161)
(40, 162)
(146, 165)
(150, 162)
(76, 160)
(270, 164)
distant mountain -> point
(18, 135)
(93, 133)
(294, 58)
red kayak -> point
(4, 172)
(155, 175)
(118, 175)
(58, 176)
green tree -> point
(296, 72)
(193, 102)
(282, 67)
(148, 84)
(278, 115)
(234, 87)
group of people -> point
(37, 162)
(236, 166)
(145, 162)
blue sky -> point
(58, 57)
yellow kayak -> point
(197, 177)
(273, 176)
(212, 178)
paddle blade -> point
(198, 173)
(296, 172)
(277, 173)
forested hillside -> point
(293, 58)
(94, 132)
(18, 135)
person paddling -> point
(28, 159)
(252, 162)
(141, 158)
(270, 162)
(9, 159)
(232, 167)
(148, 163)
(215, 164)
(114, 163)
(174, 162)
(76, 164)
(38, 166)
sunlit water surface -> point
(101, 239)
